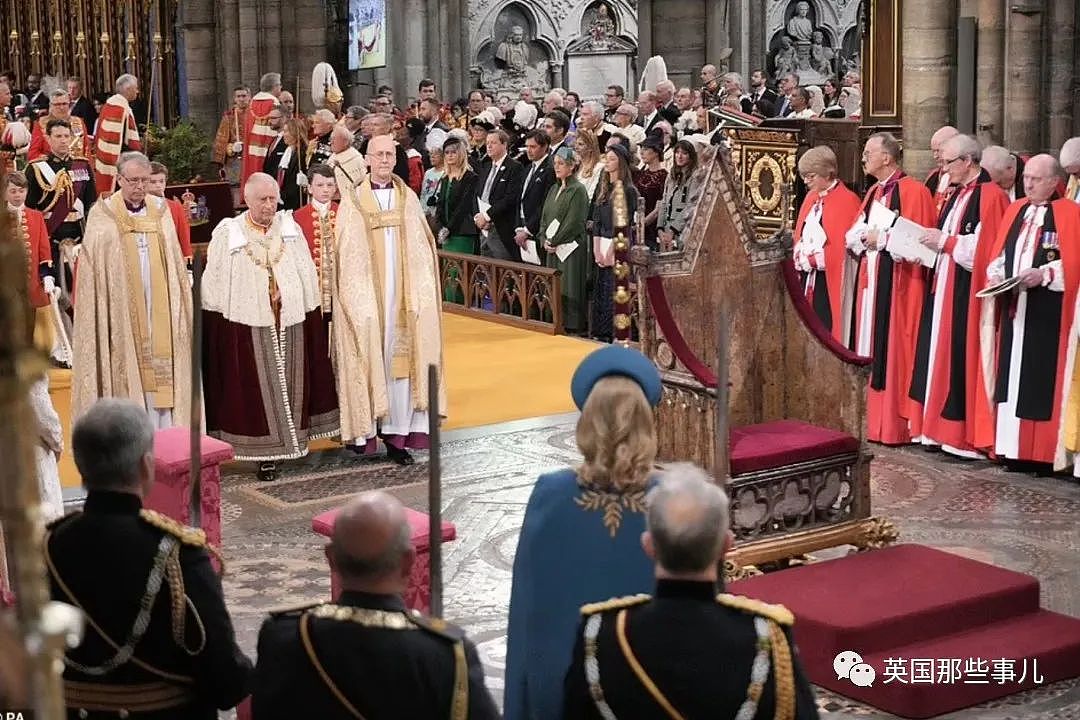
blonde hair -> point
(820, 160)
(617, 436)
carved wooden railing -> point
(518, 294)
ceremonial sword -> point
(435, 606)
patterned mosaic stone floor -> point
(1019, 521)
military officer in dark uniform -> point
(159, 642)
(367, 656)
(687, 652)
(322, 125)
(62, 188)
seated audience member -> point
(187, 663)
(367, 655)
(573, 546)
(689, 652)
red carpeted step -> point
(968, 668)
(893, 596)
(910, 602)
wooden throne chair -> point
(787, 430)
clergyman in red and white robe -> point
(1035, 319)
(887, 292)
(117, 133)
(269, 384)
(949, 395)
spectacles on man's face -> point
(948, 161)
(135, 181)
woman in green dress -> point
(454, 210)
(562, 228)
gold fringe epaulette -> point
(777, 613)
(187, 535)
(615, 604)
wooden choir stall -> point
(796, 464)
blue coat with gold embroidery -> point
(576, 545)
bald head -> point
(1041, 174)
(371, 546)
(261, 195)
(938, 140)
(381, 157)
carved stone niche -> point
(512, 57)
(818, 39)
(601, 56)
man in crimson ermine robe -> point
(258, 135)
(269, 382)
(888, 288)
(948, 390)
(1037, 245)
(318, 221)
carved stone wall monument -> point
(818, 39)
(599, 57)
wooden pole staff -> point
(721, 461)
(435, 494)
(195, 501)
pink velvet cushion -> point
(784, 442)
(323, 524)
(172, 450)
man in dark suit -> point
(152, 649)
(81, 107)
(648, 115)
(760, 90)
(539, 176)
(665, 102)
(717, 638)
(367, 655)
(272, 161)
(499, 186)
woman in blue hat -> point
(580, 541)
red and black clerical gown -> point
(821, 266)
(1034, 326)
(948, 390)
(887, 303)
(269, 383)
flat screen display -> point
(367, 34)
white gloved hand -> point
(237, 148)
(301, 180)
(48, 283)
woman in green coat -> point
(562, 229)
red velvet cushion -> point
(784, 442)
(172, 450)
(323, 524)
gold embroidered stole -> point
(385, 220)
(153, 335)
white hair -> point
(342, 131)
(666, 85)
(125, 81)
(325, 115)
(966, 146)
(256, 179)
(735, 78)
(1069, 157)
(996, 157)
(132, 157)
(688, 518)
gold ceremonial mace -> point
(621, 299)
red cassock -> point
(182, 221)
(1031, 332)
(839, 208)
(258, 135)
(948, 373)
(35, 238)
(39, 144)
(887, 319)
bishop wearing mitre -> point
(387, 327)
(132, 336)
(266, 364)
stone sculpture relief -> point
(513, 60)
(802, 45)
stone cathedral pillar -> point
(990, 73)
(929, 63)
(1059, 96)
(1023, 42)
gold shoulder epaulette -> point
(615, 604)
(294, 609)
(187, 535)
(436, 626)
(777, 613)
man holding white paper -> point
(539, 177)
(562, 224)
(498, 186)
(887, 289)
(948, 395)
